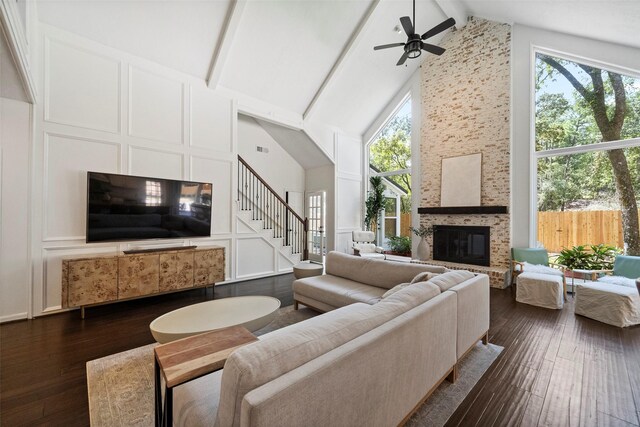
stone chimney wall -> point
(466, 110)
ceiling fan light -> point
(414, 53)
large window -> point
(587, 142)
(390, 157)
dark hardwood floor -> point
(557, 369)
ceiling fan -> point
(414, 45)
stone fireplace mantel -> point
(463, 210)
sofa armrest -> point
(473, 311)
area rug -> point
(121, 387)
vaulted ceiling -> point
(312, 57)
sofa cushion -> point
(283, 350)
(375, 272)
(450, 279)
(337, 291)
(409, 297)
(395, 289)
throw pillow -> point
(423, 277)
(618, 280)
(395, 289)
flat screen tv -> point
(125, 207)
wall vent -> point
(262, 149)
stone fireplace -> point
(462, 244)
(466, 110)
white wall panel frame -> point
(130, 164)
(47, 87)
(47, 237)
(230, 115)
(266, 268)
(146, 134)
(229, 192)
(353, 194)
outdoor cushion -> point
(627, 266)
(541, 269)
(537, 256)
(618, 280)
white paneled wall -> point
(349, 203)
(105, 110)
(15, 137)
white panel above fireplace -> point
(461, 180)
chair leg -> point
(564, 288)
(485, 338)
(295, 304)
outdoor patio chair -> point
(542, 280)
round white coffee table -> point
(252, 312)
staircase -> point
(263, 210)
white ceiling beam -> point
(342, 59)
(231, 24)
(454, 9)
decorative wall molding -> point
(74, 90)
(47, 179)
(139, 130)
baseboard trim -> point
(13, 317)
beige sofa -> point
(350, 279)
(358, 365)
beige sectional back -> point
(373, 380)
(375, 272)
(286, 349)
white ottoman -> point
(541, 290)
(611, 304)
(307, 269)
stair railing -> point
(266, 205)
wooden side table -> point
(189, 358)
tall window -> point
(390, 158)
(153, 193)
(587, 142)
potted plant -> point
(592, 257)
(374, 203)
(399, 245)
(423, 246)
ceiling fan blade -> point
(406, 24)
(439, 28)
(436, 50)
(403, 58)
(387, 46)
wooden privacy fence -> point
(571, 228)
(405, 223)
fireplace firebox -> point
(462, 244)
